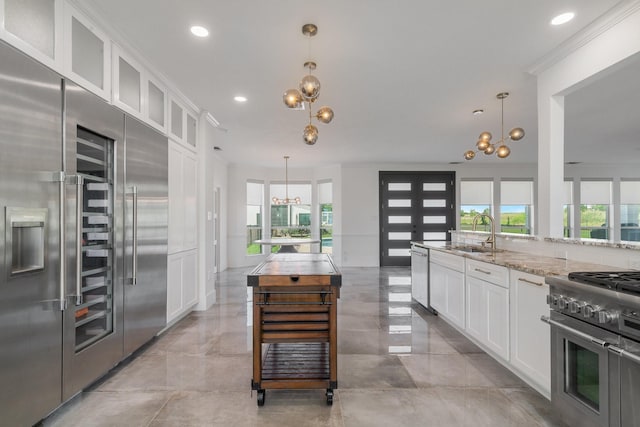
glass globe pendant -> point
(503, 151)
(310, 134)
(325, 115)
(292, 98)
(310, 87)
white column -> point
(550, 164)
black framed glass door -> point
(414, 206)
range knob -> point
(552, 300)
(605, 317)
(590, 311)
(563, 303)
(575, 306)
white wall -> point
(601, 54)
(212, 174)
(361, 209)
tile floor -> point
(398, 365)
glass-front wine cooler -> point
(94, 299)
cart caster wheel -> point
(329, 397)
(261, 396)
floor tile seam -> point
(155, 415)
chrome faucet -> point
(492, 238)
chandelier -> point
(286, 200)
(308, 92)
(484, 143)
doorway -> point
(414, 206)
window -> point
(476, 197)
(516, 207)
(595, 207)
(255, 196)
(325, 199)
(630, 211)
(291, 221)
(567, 209)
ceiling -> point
(402, 77)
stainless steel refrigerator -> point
(83, 237)
(146, 234)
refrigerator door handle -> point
(79, 207)
(134, 264)
(59, 177)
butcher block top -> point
(295, 269)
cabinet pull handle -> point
(482, 271)
(531, 282)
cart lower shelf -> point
(295, 365)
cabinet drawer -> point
(453, 262)
(492, 273)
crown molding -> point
(611, 18)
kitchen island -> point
(295, 313)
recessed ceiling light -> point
(240, 98)
(563, 18)
(199, 31)
(478, 112)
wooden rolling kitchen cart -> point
(295, 323)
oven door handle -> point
(594, 340)
(624, 353)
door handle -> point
(79, 207)
(587, 337)
(624, 353)
(59, 177)
(134, 264)
(531, 282)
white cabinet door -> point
(455, 296)
(476, 308)
(419, 275)
(530, 338)
(447, 293)
(174, 287)
(438, 287)
(189, 282)
(488, 315)
(497, 299)
(182, 284)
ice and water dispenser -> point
(26, 238)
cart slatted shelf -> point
(294, 316)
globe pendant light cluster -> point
(308, 91)
(484, 143)
(286, 200)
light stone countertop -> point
(529, 263)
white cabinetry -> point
(420, 274)
(446, 284)
(182, 281)
(181, 284)
(35, 28)
(87, 53)
(488, 306)
(530, 342)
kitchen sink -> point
(476, 249)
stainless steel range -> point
(595, 347)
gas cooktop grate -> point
(622, 281)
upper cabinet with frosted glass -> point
(183, 125)
(61, 36)
(87, 53)
(136, 91)
(34, 26)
